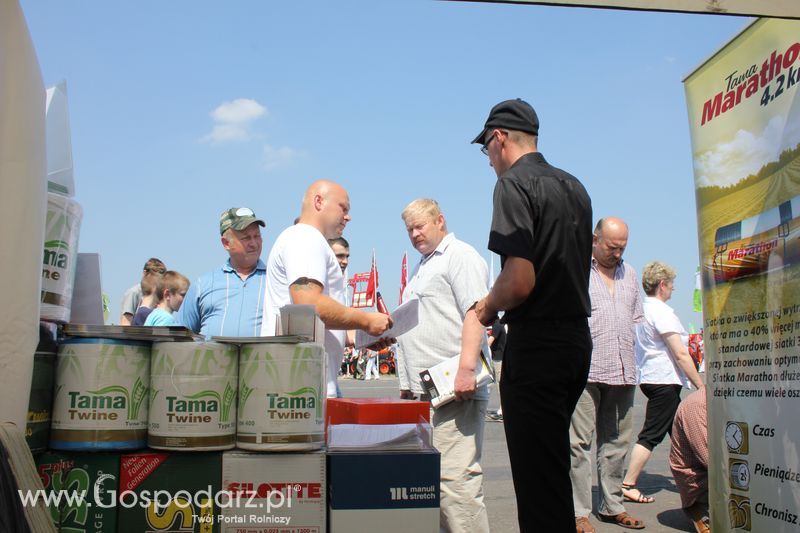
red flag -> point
(372, 284)
(403, 275)
(375, 269)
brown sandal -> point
(582, 525)
(624, 520)
(635, 499)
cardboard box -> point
(74, 473)
(186, 485)
(376, 411)
(297, 319)
(383, 492)
(274, 492)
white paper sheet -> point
(378, 437)
(404, 319)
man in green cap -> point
(229, 301)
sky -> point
(182, 109)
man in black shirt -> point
(542, 229)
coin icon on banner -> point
(740, 474)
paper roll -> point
(101, 395)
(193, 396)
(60, 257)
(281, 397)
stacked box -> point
(376, 411)
(70, 474)
(274, 492)
(169, 492)
(40, 404)
(383, 491)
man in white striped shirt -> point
(448, 280)
(606, 405)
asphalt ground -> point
(656, 481)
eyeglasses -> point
(485, 147)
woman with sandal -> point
(664, 367)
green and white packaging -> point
(193, 396)
(281, 397)
(60, 257)
(100, 401)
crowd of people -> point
(576, 337)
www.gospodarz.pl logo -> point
(103, 498)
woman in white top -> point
(664, 367)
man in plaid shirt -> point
(606, 405)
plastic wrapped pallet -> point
(23, 204)
(59, 142)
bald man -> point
(606, 405)
(302, 269)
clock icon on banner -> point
(736, 437)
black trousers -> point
(662, 404)
(545, 367)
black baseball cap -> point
(517, 115)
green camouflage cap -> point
(238, 218)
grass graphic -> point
(313, 392)
(56, 244)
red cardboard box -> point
(376, 411)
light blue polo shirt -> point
(220, 303)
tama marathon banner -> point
(770, 8)
(744, 115)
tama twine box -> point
(274, 492)
(383, 491)
(170, 492)
(92, 475)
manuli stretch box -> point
(383, 491)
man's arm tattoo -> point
(305, 284)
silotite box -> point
(71, 474)
(383, 491)
(185, 485)
(274, 492)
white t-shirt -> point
(653, 359)
(301, 251)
